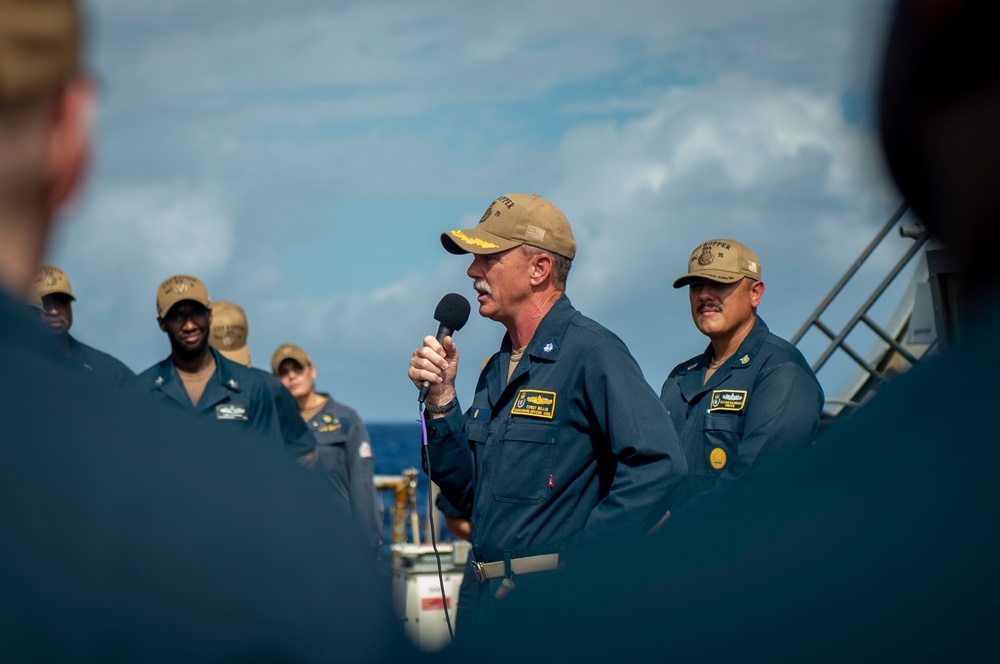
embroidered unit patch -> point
(232, 412)
(535, 403)
(728, 400)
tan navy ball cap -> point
(724, 261)
(288, 352)
(49, 279)
(511, 221)
(229, 332)
(178, 288)
(39, 46)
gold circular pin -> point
(717, 458)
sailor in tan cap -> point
(197, 378)
(749, 402)
(569, 444)
(342, 441)
(54, 295)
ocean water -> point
(396, 445)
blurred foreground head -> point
(45, 108)
(940, 122)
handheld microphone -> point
(452, 312)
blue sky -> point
(302, 158)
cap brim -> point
(475, 241)
(170, 305)
(57, 292)
(719, 276)
(239, 356)
(302, 361)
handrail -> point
(838, 339)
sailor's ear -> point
(68, 142)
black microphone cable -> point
(430, 522)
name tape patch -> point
(232, 412)
(535, 403)
(728, 400)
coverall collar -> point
(691, 378)
(543, 347)
(221, 385)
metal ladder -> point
(838, 339)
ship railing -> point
(884, 360)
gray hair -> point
(560, 264)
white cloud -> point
(743, 149)
(164, 228)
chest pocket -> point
(722, 431)
(523, 462)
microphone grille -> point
(452, 311)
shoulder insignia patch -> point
(535, 403)
(728, 400)
(365, 451)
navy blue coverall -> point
(346, 461)
(756, 411)
(100, 363)
(234, 396)
(574, 449)
(135, 533)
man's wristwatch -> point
(444, 408)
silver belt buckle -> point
(480, 573)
